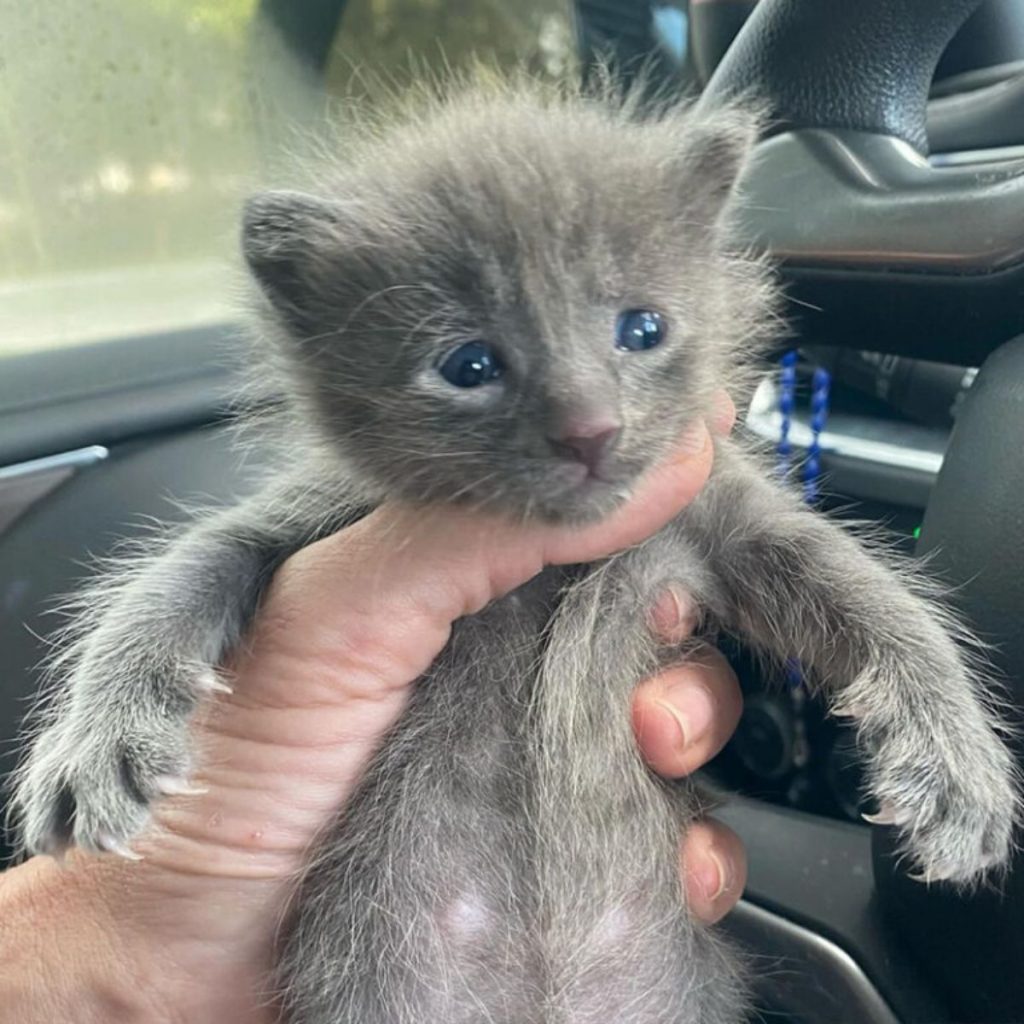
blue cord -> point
(820, 387)
(820, 390)
(787, 403)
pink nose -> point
(587, 443)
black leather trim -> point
(816, 874)
(981, 119)
(116, 390)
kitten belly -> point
(470, 915)
(464, 887)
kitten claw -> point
(886, 815)
(111, 845)
(932, 876)
(854, 711)
(209, 682)
(176, 785)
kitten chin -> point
(589, 502)
(556, 496)
(593, 501)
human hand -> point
(345, 628)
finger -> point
(723, 416)
(714, 868)
(685, 715)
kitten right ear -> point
(284, 234)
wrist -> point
(99, 941)
(63, 957)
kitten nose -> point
(587, 442)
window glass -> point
(396, 40)
(129, 129)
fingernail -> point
(691, 706)
(674, 614)
(694, 439)
(711, 877)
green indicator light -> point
(917, 532)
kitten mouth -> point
(567, 490)
(578, 494)
(582, 475)
(580, 479)
(576, 475)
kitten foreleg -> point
(883, 650)
(142, 654)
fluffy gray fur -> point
(508, 858)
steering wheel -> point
(882, 249)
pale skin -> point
(186, 932)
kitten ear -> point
(284, 236)
(716, 153)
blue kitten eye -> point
(471, 365)
(639, 329)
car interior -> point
(889, 192)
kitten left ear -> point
(717, 151)
(284, 234)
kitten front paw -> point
(91, 779)
(953, 799)
(94, 790)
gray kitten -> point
(519, 299)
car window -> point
(129, 129)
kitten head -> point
(517, 300)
